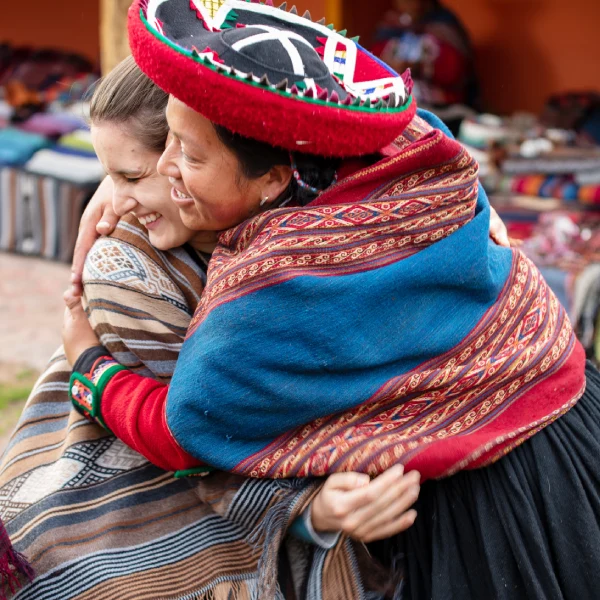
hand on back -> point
(366, 509)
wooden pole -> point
(114, 46)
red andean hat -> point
(272, 75)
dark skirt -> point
(526, 527)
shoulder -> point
(129, 262)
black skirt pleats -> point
(526, 527)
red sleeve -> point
(134, 409)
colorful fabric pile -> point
(551, 186)
(48, 167)
(545, 182)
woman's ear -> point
(276, 181)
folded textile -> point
(589, 194)
(17, 147)
(565, 161)
(77, 169)
(52, 124)
(588, 178)
(552, 186)
(68, 151)
(80, 139)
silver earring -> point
(264, 200)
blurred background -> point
(518, 81)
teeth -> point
(180, 194)
(149, 218)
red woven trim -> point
(260, 113)
(535, 410)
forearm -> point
(130, 406)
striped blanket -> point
(39, 215)
(96, 520)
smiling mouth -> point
(180, 197)
(147, 219)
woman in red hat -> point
(356, 315)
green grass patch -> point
(9, 394)
(16, 388)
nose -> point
(123, 203)
(167, 163)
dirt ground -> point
(31, 309)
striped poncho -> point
(95, 518)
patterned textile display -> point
(96, 520)
(40, 215)
(396, 332)
(82, 170)
(321, 83)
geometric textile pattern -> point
(100, 461)
(125, 265)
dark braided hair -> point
(257, 158)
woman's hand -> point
(98, 219)
(498, 231)
(367, 509)
(77, 333)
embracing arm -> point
(131, 406)
(98, 218)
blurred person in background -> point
(428, 38)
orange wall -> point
(529, 49)
(66, 24)
(526, 49)
(74, 24)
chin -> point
(159, 242)
(192, 222)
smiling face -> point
(140, 190)
(208, 182)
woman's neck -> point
(204, 241)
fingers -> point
(389, 528)
(108, 221)
(389, 514)
(330, 505)
(99, 209)
(73, 301)
(385, 505)
(366, 496)
(347, 481)
(498, 231)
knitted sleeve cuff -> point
(302, 529)
(91, 373)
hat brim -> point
(251, 109)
